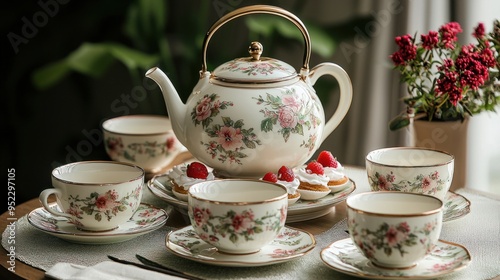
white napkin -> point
(106, 270)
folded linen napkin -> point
(106, 270)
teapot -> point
(254, 114)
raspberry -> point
(270, 177)
(286, 174)
(315, 168)
(197, 170)
(327, 160)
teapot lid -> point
(254, 69)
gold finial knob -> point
(255, 49)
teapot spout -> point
(175, 107)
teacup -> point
(95, 195)
(237, 216)
(144, 140)
(394, 229)
(410, 169)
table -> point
(482, 241)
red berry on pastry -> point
(197, 170)
(286, 174)
(315, 168)
(327, 159)
(270, 177)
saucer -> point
(455, 206)
(290, 244)
(146, 219)
(447, 257)
(301, 210)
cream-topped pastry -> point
(185, 175)
(334, 171)
(286, 178)
(306, 177)
(313, 182)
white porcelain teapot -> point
(254, 114)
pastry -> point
(313, 182)
(286, 178)
(334, 171)
(185, 175)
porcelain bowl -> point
(237, 216)
(145, 140)
(410, 169)
(394, 229)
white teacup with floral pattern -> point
(144, 140)
(410, 169)
(95, 195)
(237, 216)
(394, 229)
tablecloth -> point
(479, 232)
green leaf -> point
(50, 74)
(399, 122)
(92, 60)
(322, 43)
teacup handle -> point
(44, 195)
(332, 69)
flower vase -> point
(449, 136)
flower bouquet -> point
(446, 81)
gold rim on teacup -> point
(452, 158)
(425, 213)
(242, 202)
(60, 170)
(106, 125)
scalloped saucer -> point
(146, 219)
(290, 244)
(447, 257)
(301, 210)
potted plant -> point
(446, 84)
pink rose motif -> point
(293, 102)
(287, 117)
(394, 237)
(107, 200)
(383, 184)
(242, 223)
(230, 138)
(200, 216)
(204, 109)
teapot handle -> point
(328, 68)
(259, 9)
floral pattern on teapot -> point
(230, 138)
(293, 113)
(261, 68)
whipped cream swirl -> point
(291, 187)
(335, 174)
(311, 178)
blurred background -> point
(70, 65)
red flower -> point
(479, 31)
(449, 33)
(430, 41)
(407, 50)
